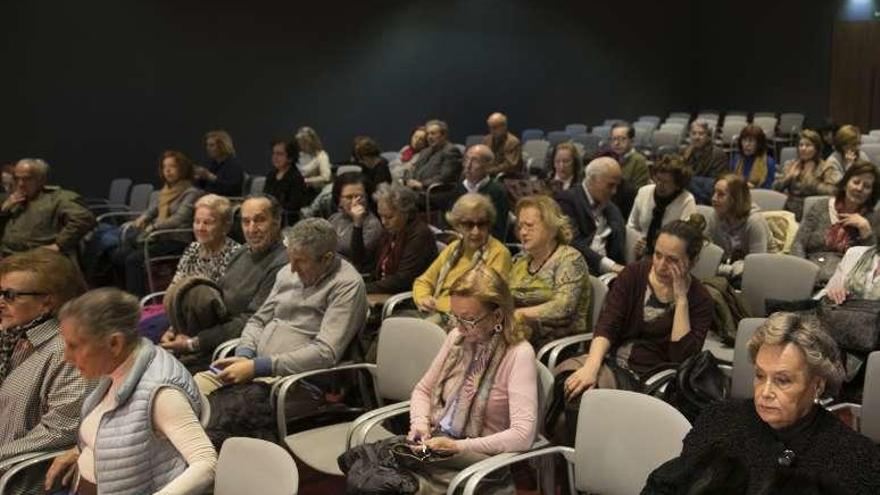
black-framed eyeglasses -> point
(457, 321)
(468, 225)
(11, 295)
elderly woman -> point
(550, 280)
(144, 412)
(734, 225)
(209, 255)
(401, 169)
(472, 216)
(782, 440)
(40, 394)
(807, 175)
(354, 222)
(284, 182)
(314, 163)
(751, 161)
(473, 411)
(368, 155)
(655, 313)
(223, 175)
(567, 167)
(665, 200)
(846, 144)
(848, 219)
(173, 211)
(406, 248)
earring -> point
(498, 328)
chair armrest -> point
(393, 301)
(19, 463)
(222, 350)
(160, 232)
(153, 295)
(363, 424)
(486, 466)
(281, 387)
(856, 408)
(557, 346)
(117, 214)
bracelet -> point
(189, 345)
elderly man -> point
(505, 146)
(37, 215)
(313, 312)
(633, 166)
(599, 227)
(242, 290)
(440, 162)
(477, 161)
(707, 161)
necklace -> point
(533, 272)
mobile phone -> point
(215, 369)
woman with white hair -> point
(209, 255)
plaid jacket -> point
(40, 401)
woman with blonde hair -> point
(209, 255)
(549, 280)
(314, 163)
(806, 175)
(847, 141)
(223, 175)
(735, 225)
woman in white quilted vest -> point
(140, 430)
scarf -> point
(391, 251)
(407, 154)
(660, 204)
(471, 370)
(168, 195)
(855, 282)
(10, 338)
(478, 257)
(758, 172)
(839, 238)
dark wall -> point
(100, 88)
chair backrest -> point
(258, 184)
(768, 199)
(666, 138)
(764, 115)
(870, 418)
(600, 290)
(786, 154)
(612, 122)
(537, 150)
(685, 116)
(118, 191)
(742, 379)
(736, 113)
(556, 137)
(345, 169)
(420, 340)
(873, 152)
(869, 139)
(140, 197)
(767, 124)
(390, 155)
(545, 390)
(791, 122)
(707, 263)
(776, 276)
(621, 437)
(811, 201)
(678, 127)
(576, 129)
(249, 465)
(531, 134)
(632, 238)
(874, 132)
(603, 131)
(473, 139)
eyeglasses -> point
(11, 295)
(469, 225)
(458, 321)
(352, 197)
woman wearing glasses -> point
(472, 216)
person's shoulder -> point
(645, 192)
(856, 252)
(727, 415)
(566, 253)
(522, 351)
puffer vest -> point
(130, 457)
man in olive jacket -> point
(36, 215)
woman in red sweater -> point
(655, 313)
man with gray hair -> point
(477, 161)
(36, 215)
(707, 161)
(505, 146)
(599, 227)
(440, 162)
(315, 309)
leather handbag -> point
(855, 324)
(698, 383)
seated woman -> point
(848, 219)
(406, 248)
(368, 155)
(846, 142)
(144, 412)
(472, 216)
(568, 168)
(751, 161)
(807, 175)
(314, 163)
(550, 280)
(735, 226)
(354, 222)
(173, 211)
(209, 255)
(473, 411)
(655, 313)
(40, 393)
(402, 168)
(665, 200)
(285, 182)
(782, 440)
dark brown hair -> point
(858, 168)
(184, 165)
(673, 164)
(690, 231)
(756, 133)
(740, 196)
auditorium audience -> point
(845, 220)
(751, 160)
(313, 163)
(144, 413)
(806, 175)
(40, 393)
(599, 227)
(407, 246)
(567, 167)
(471, 215)
(36, 215)
(354, 219)
(284, 181)
(707, 161)
(506, 148)
(223, 175)
(209, 255)
(782, 440)
(368, 155)
(665, 200)
(440, 162)
(402, 168)
(847, 140)
(550, 280)
(655, 313)
(477, 161)
(174, 210)
(735, 225)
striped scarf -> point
(9, 340)
(478, 257)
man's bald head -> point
(477, 161)
(497, 124)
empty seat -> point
(573, 129)
(473, 139)
(785, 155)
(556, 137)
(530, 134)
(776, 276)
(768, 199)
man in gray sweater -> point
(315, 309)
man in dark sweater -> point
(477, 161)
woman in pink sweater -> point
(479, 397)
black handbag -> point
(855, 324)
(698, 383)
(374, 468)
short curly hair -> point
(471, 203)
(400, 198)
(551, 215)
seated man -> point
(313, 312)
(243, 289)
(633, 166)
(37, 215)
(707, 161)
(477, 161)
(440, 162)
(505, 146)
(599, 228)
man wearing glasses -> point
(633, 166)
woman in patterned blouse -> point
(209, 255)
(550, 280)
